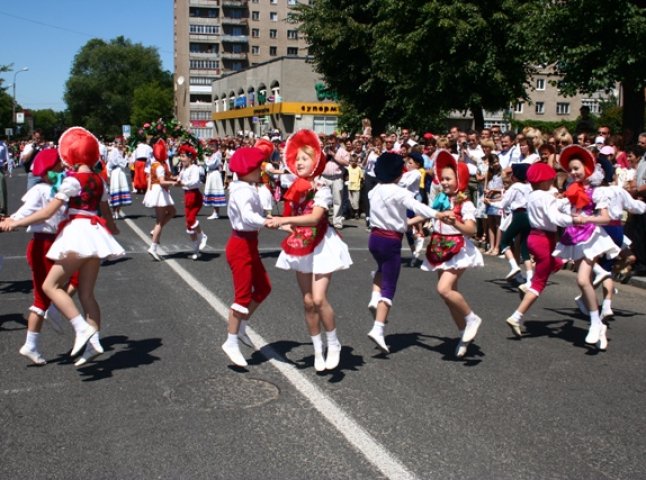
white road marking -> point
(374, 452)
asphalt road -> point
(163, 401)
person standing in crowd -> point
(369, 179)
(189, 180)
(84, 240)
(312, 249)
(636, 225)
(4, 163)
(355, 180)
(214, 195)
(451, 251)
(336, 161)
(143, 156)
(119, 190)
(251, 283)
(29, 153)
(158, 196)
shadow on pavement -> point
(19, 286)
(15, 318)
(446, 347)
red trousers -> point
(140, 181)
(250, 279)
(541, 244)
(40, 265)
(192, 205)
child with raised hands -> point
(313, 249)
(451, 251)
(83, 241)
(250, 280)
(389, 206)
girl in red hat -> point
(585, 243)
(83, 241)
(189, 180)
(47, 165)
(313, 249)
(451, 251)
(158, 195)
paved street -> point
(163, 402)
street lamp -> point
(23, 69)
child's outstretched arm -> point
(37, 217)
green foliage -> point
(49, 122)
(104, 76)
(163, 128)
(151, 100)
(406, 62)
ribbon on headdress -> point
(296, 191)
(56, 178)
(442, 202)
(577, 195)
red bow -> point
(577, 196)
(294, 194)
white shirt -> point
(244, 208)
(544, 213)
(143, 151)
(36, 198)
(410, 181)
(509, 157)
(617, 199)
(189, 177)
(515, 197)
(115, 159)
(388, 205)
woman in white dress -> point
(214, 195)
(119, 190)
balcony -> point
(203, 3)
(233, 21)
(234, 38)
(233, 56)
(235, 3)
(203, 55)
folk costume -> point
(119, 190)
(449, 249)
(311, 249)
(143, 155)
(214, 195)
(250, 279)
(158, 195)
(189, 178)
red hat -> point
(540, 172)
(245, 160)
(160, 152)
(428, 136)
(577, 152)
(266, 146)
(299, 140)
(44, 161)
(186, 149)
(78, 146)
(444, 160)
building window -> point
(273, 16)
(562, 108)
(203, 48)
(292, 51)
(255, 16)
(204, 29)
(273, 2)
(255, 50)
(273, 33)
(593, 104)
(255, 1)
(201, 80)
(200, 115)
(291, 2)
(324, 124)
(197, 12)
(204, 65)
(539, 108)
(236, 66)
(273, 51)
(540, 84)
(518, 108)
(292, 34)
(255, 32)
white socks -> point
(378, 328)
(79, 323)
(529, 274)
(606, 304)
(517, 316)
(513, 264)
(232, 340)
(595, 319)
(31, 342)
(599, 270)
(317, 341)
(332, 340)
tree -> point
(594, 45)
(48, 121)
(6, 102)
(104, 76)
(407, 62)
(151, 101)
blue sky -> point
(45, 35)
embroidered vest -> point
(303, 240)
(91, 192)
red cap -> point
(44, 161)
(245, 160)
(160, 152)
(78, 146)
(266, 146)
(540, 172)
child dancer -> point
(451, 251)
(47, 166)
(313, 249)
(158, 195)
(214, 195)
(250, 280)
(584, 243)
(545, 217)
(84, 239)
(413, 180)
(389, 205)
(189, 179)
(515, 199)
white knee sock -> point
(94, 341)
(529, 274)
(517, 316)
(378, 328)
(232, 340)
(513, 264)
(606, 304)
(595, 319)
(31, 342)
(598, 269)
(332, 339)
(317, 341)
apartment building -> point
(213, 38)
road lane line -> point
(354, 433)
